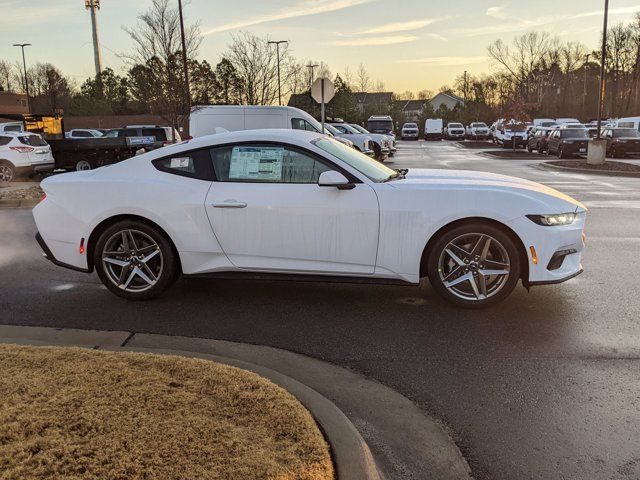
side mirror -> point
(332, 178)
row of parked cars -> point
(434, 129)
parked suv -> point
(23, 153)
(381, 124)
(510, 134)
(454, 131)
(409, 130)
(478, 131)
(168, 132)
(622, 141)
(568, 142)
(148, 137)
(538, 139)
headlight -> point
(553, 220)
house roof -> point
(375, 98)
(449, 95)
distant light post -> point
(277, 44)
(311, 67)
(602, 65)
(26, 80)
(584, 91)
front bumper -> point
(369, 153)
(627, 148)
(574, 149)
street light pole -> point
(584, 91)
(277, 44)
(184, 57)
(602, 65)
(311, 67)
(26, 80)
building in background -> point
(13, 103)
(449, 100)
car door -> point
(268, 212)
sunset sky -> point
(406, 44)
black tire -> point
(500, 238)
(529, 149)
(166, 273)
(540, 149)
(561, 153)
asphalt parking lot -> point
(545, 385)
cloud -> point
(403, 26)
(496, 12)
(507, 27)
(612, 11)
(445, 61)
(437, 36)
(374, 41)
(307, 8)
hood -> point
(473, 179)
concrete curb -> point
(18, 203)
(608, 173)
(352, 457)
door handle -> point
(229, 204)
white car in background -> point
(81, 133)
(23, 153)
(334, 133)
(410, 131)
(294, 204)
(380, 148)
(477, 131)
(454, 131)
(379, 138)
(11, 127)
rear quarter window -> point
(4, 141)
(159, 133)
(195, 164)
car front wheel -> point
(474, 265)
(135, 260)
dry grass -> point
(85, 414)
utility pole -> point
(184, 57)
(602, 65)
(277, 44)
(584, 90)
(94, 5)
(311, 67)
(26, 79)
(465, 88)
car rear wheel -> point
(529, 148)
(135, 260)
(561, 153)
(474, 265)
(7, 172)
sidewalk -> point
(359, 416)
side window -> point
(265, 164)
(128, 132)
(81, 134)
(341, 129)
(301, 124)
(194, 164)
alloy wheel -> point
(83, 165)
(132, 260)
(474, 266)
(6, 173)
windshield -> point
(331, 129)
(111, 134)
(349, 128)
(365, 165)
(575, 133)
(626, 132)
(455, 125)
(380, 125)
(479, 125)
(515, 127)
(410, 125)
(359, 128)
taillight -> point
(42, 198)
(22, 149)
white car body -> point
(363, 141)
(510, 133)
(23, 153)
(626, 122)
(11, 127)
(410, 130)
(478, 131)
(453, 131)
(544, 122)
(384, 141)
(433, 128)
(363, 228)
(561, 121)
(82, 133)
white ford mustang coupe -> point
(297, 204)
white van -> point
(433, 128)
(204, 120)
(628, 122)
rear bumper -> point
(37, 168)
(46, 252)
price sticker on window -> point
(180, 162)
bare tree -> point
(363, 80)
(6, 76)
(425, 94)
(406, 95)
(347, 77)
(256, 65)
(379, 87)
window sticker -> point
(180, 162)
(256, 163)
